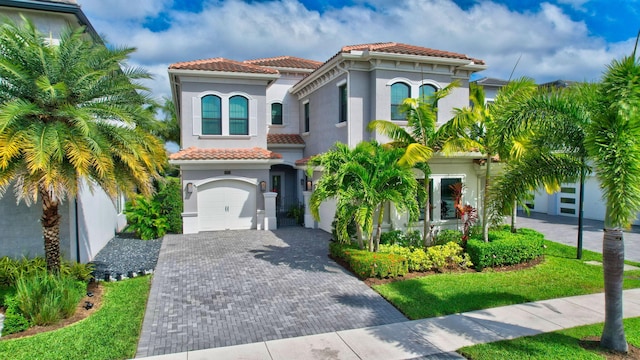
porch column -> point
(270, 220)
(309, 222)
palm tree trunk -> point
(426, 230)
(51, 230)
(514, 216)
(379, 227)
(485, 202)
(359, 236)
(613, 336)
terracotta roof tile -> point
(222, 64)
(398, 48)
(286, 62)
(303, 161)
(284, 139)
(194, 153)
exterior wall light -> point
(263, 186)
(309, 185)
(189, 188)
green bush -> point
(14, 321)
(45, 298)
(12, 269)
(390, 237)
(410, 238)
(367, 264)
(78, 271)
(447, 235)
(506, 248)
(169, 198)
(438, 258)
(145, 218)
(379, 265)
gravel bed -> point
(125, 255)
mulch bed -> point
(81, 314)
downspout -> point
(77, 224)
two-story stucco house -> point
(247, 128)
(88, 222)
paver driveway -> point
(226, 288)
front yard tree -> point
(363, 180)
(68, 118)
(613, 144)
(419, 139)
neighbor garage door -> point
(226, 205)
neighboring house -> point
(248, 128)
(89, 221)
(566, 201)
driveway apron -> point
(225, 288)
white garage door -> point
(226, 205)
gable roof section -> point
(288, 139)
(223, 65)
(288, 62)
(194, 153)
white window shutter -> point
(197, 116)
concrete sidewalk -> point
(434, 338)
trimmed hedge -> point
(367, 264)
(505, 248)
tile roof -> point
(399, 48)
(222, 64)
(286, 62)
(284, 139)
(303, 161)
(491, 81)
(194, 153)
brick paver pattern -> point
(227, 288)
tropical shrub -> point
(397, 237)
(13, 269)
(145, 218)
(506, 248)
(367, 264)
(45, 298)
(169, 198)
(14, 321)
(390, 237)
(438, 258)
(447, 235)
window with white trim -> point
(276, 114)
(399, 92)
(306, 117)
(238, 115)
(211, 107)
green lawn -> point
(559, 275)
(111, 333)
(556, 345)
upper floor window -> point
(238, 115)
(211, 115)
(276, 114)
(342, 93)
(399, 92)
(427, 91)
(306, 117)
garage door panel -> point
(226, 204)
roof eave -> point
(227, 161)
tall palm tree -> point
(475, 128)
(613, 144)
(419, 138)
(70, 116)
(363, 180)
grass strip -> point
(556, 345)
(559, 275)
(111, 333)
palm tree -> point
(168, 128)
(475, 128)
(419, 138)
(363, 180)
(613, 144)
(69, 118)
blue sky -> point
(557, 39)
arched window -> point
(238, 115)
(399, 92)
(276, 114)
(211, 115)
(426, 91)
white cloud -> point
(552, 45)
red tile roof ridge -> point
(221, 60)
(285, 139)
(283, 57)
(195, 153)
